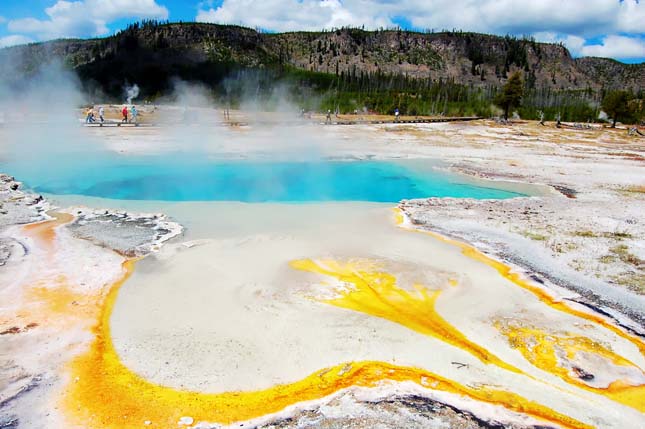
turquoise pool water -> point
(193, 178)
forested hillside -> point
(347, 69)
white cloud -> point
(286, 15)
(583, 18)
(573, 43)
(86, 17)
(612, 46)
(2, 19)
(14, 39)
(616, 47)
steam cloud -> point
(45, 140)
(132, 92)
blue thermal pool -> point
(181, 178)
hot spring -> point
(195, 177)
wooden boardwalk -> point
(407, 121)
(116, 124)
(295, 122)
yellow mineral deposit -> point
(542, 349)
(106, 394)
(49, 298)
(518, 280)
(45, 232)
(375, 292)
(103, 393)
(58, 300)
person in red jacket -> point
(124, 112)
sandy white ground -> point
(242, 319)
(235, 302)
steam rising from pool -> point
(132, 92)
(277, 158)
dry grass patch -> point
(622, 252)
(634, 189)
(534, 236)
(407, 129)
(632, 281)
(585, 234)
(616, 235)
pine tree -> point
(511, 95)
(616, 105)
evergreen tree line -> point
(344, 91)
(383, 93)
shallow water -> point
(194, 177)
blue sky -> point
(608, 28)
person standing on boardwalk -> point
(134, 113)
(101, 114)
(328, 118)
(89, 116)
(124, 112)
(396, 115)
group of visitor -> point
(90, 117)
(133, 114)
(328, 116)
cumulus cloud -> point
(577, 17)
(616, 47)
(286, 15)
(573, 43)
(611, 46)
(85, 17)
(14, 39)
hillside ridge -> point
(460, 57)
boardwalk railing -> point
(295, 122)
